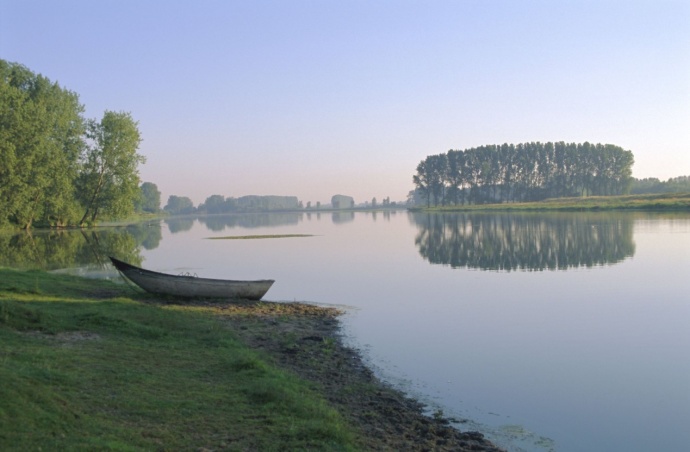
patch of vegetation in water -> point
(251, 237)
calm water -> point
(565, 332)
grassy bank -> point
(660, 202)
(85, 367)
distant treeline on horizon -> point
(652, 185)
(218, 204)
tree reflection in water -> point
(218, 223)
(55, 249)
(343, 217)
(524, 241)
(179, 224)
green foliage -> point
(48, 174)
(149, 198)
(105, 372)
(109, 180)
(179, 205)
(651, 185)
(523, 172)
(41, 139)
(215, 204)
(431, 176)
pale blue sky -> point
(314, 98)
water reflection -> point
(179, 224)
(57, 249)
(152, 235)
(218, 223)
(481, 241)
(385, 213)
(343, 217)
(524, 241)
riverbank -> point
(89, 364)
(308, 343)
(656, 202)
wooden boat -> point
(192, 286)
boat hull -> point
(192, 287)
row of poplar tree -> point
(56, 167)
(523, 172)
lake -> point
(561, 331)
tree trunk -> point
(93, 199)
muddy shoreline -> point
(306, 340)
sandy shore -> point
(306, 340)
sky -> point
(312, 98)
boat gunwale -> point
(129, 267)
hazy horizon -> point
(313, 99)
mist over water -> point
(559, 332)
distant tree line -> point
(179, 205)
(219, 204)
(56, 167)
(651, 185)
(523, 172)
(216, 204)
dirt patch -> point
(306, 340)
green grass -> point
(85, 367)
(661, 202)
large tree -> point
(214, 204)
(150, 198)
(431, 175)
(179, 205)
(422, 180)
(109, 181)
(41, 130)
